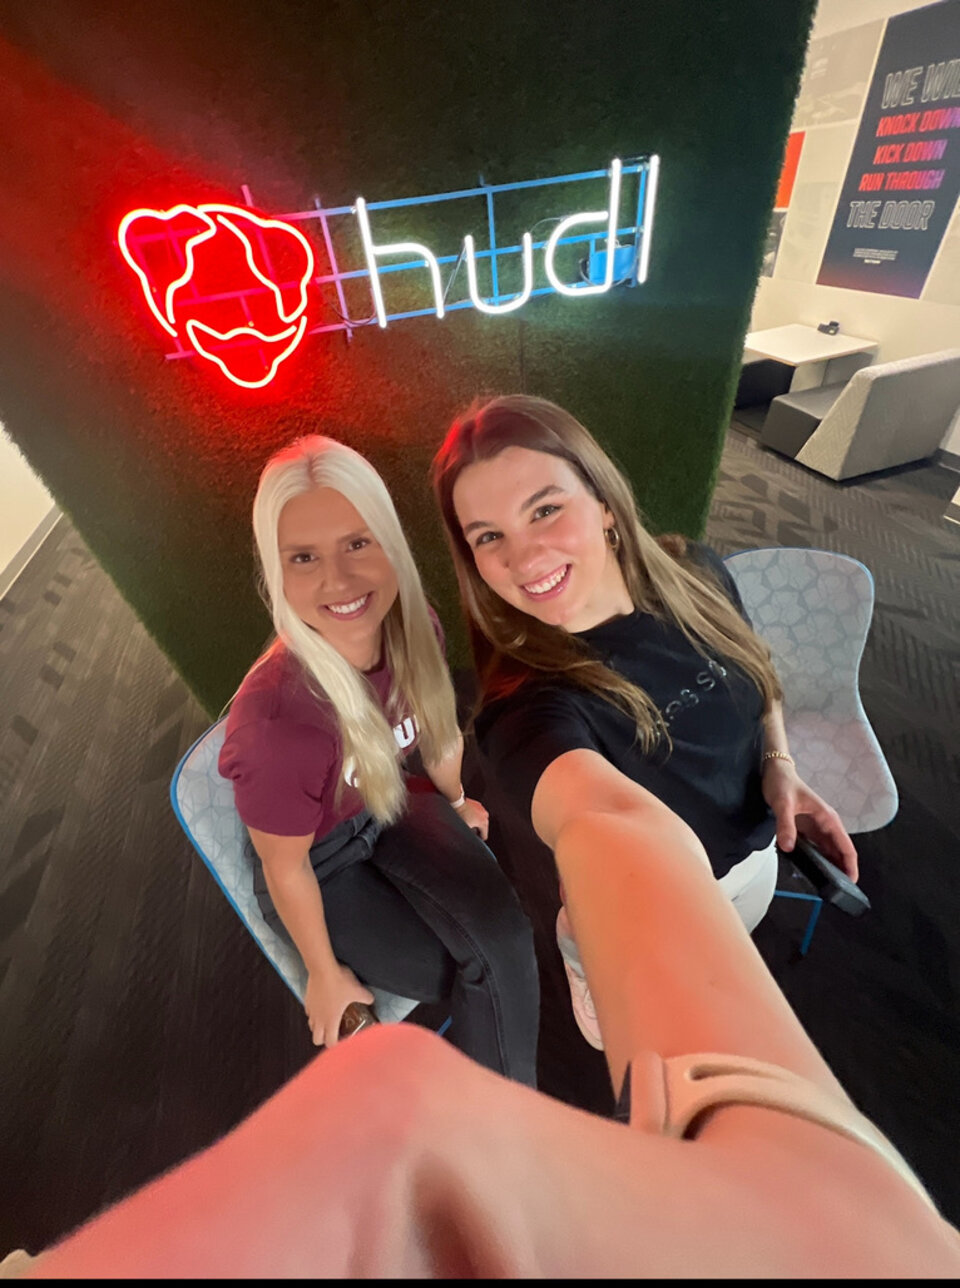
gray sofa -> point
(887, 415)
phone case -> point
(831, 884)
(357, 1016)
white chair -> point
(813, 608)
(203, 802)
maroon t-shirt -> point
(284, 754)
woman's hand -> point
(475, 817)
(445, 776)
(327, 997)
(798, 809)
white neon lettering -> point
(649, 205)
(394, 248)
(518, 300)
(199, 224)
(587, 217)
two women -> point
(743, 1157)
(591, 640)
(374, 884)
(606, 660)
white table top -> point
(797, 343)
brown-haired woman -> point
(609, 659)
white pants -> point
(749, 885)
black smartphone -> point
(830, 882)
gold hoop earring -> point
(613, 538)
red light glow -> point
(235, 283)
(196, 329)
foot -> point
(583, 1008)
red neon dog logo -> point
(232, 282)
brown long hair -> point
(510, 646)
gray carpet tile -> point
(138, 1019)
(139, 1022)
(879, 995)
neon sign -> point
(243, 289)
(155, 254)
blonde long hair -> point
(509, 645)
(421, 681)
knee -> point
(376, 1096)
(502, 920)
(396, 1072)
(505, 945)
(414, 1055)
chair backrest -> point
(203, 803)
(889, 414)
(813, 608)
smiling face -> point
(537, 535)
(336, 576)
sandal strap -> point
(670, 1097)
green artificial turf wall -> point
(107, 107)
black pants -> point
(568, 1068)
(422, 909)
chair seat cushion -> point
(814, 402)
(792, 418)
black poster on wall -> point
(904, 174)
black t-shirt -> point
(710, 777)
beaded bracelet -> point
(777, 755)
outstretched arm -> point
(398, 1156)
(634, 873)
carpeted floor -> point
(879, 994)
(138, 1020)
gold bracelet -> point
(777, 755)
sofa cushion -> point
(792, 418)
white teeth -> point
(346, 609)
(541, 587)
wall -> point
(844, 42)
(105, 108)
(26, 511)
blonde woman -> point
(374, 884)
(607, 660)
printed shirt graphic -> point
(710, 778)
(407, 733)
(284, 754)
